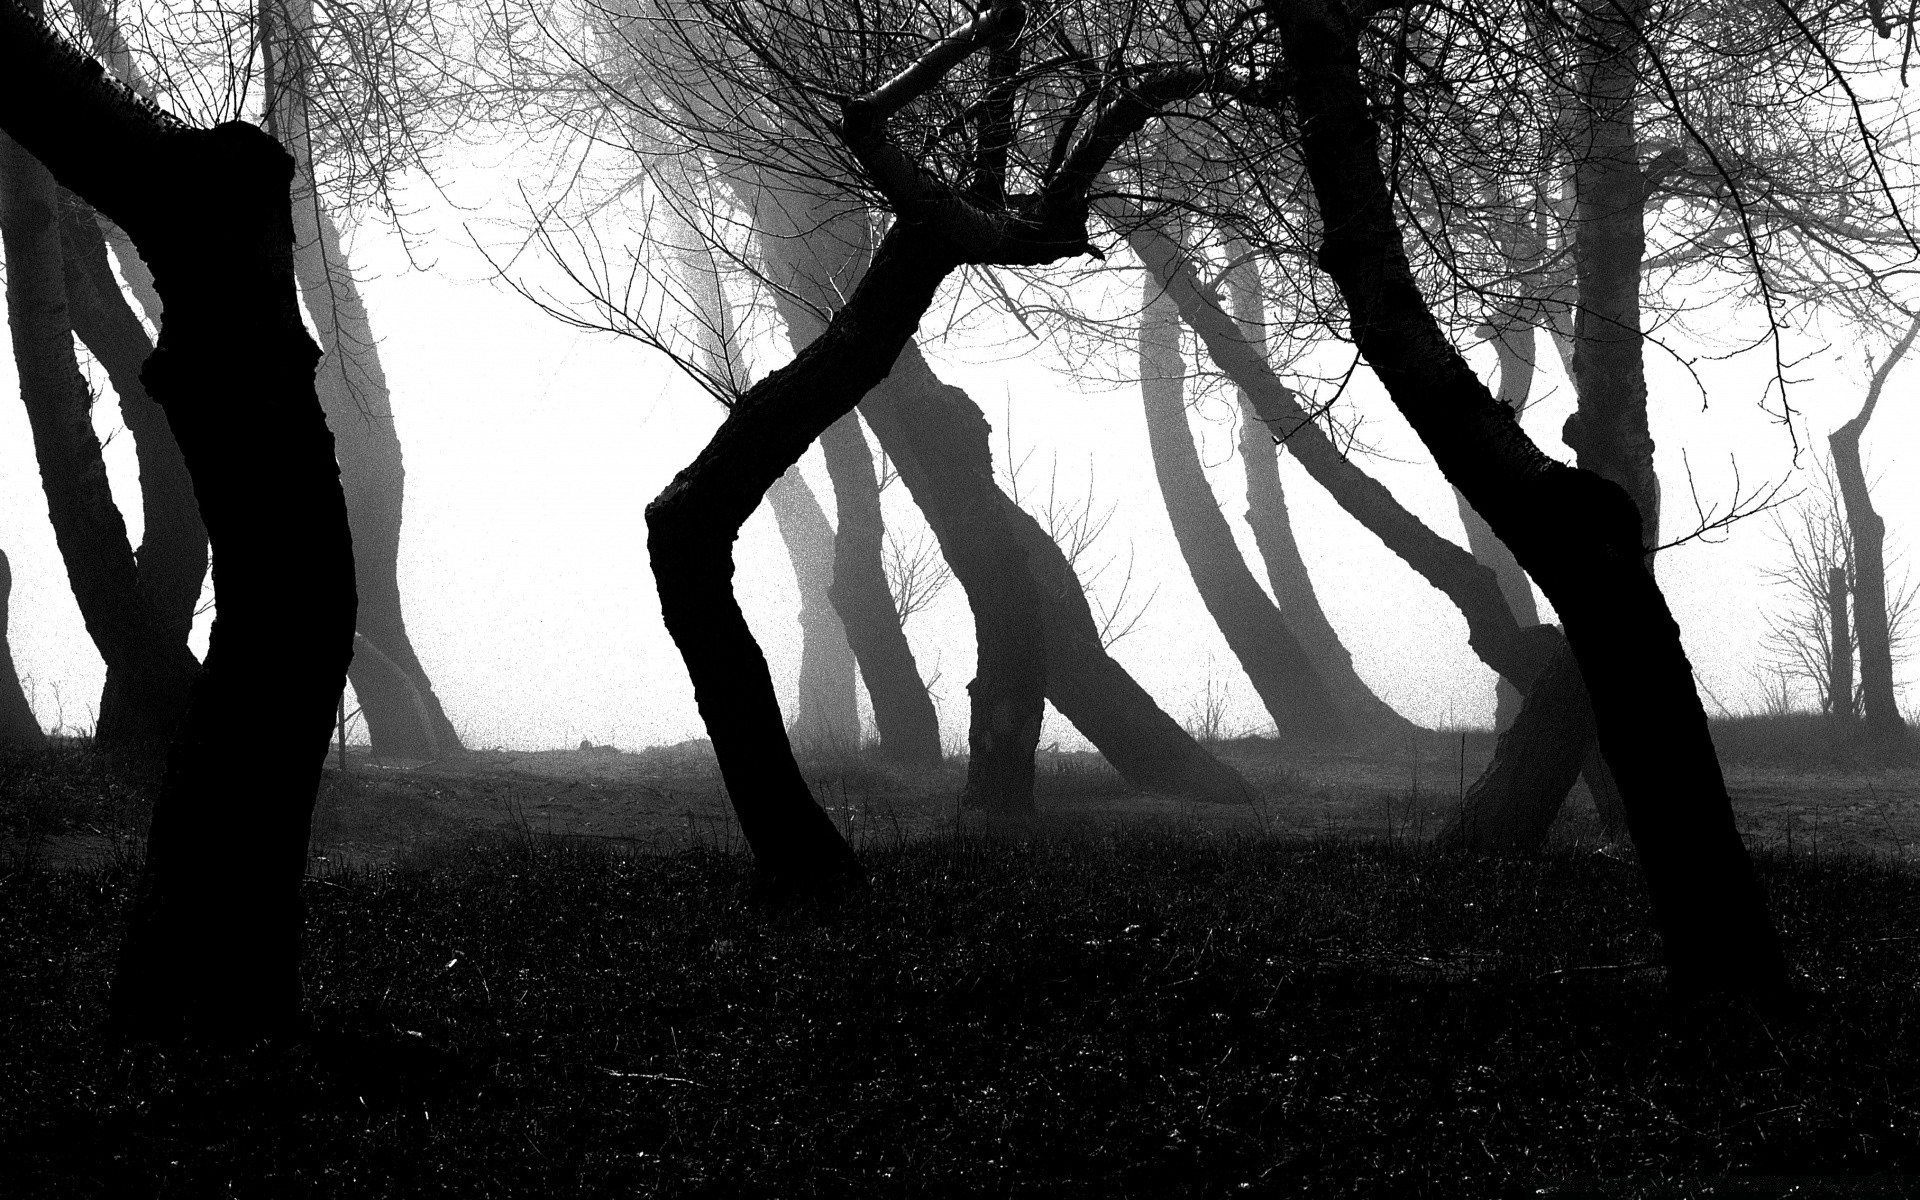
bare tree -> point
(1873, 621)
(1578, 535)
(214, 943)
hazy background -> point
(532, 451)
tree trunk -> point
(1272, 527)
(815, 256)
(1301, 705)
(213, 948)
(1515, 653)
(1515, 344)
(1576, 534)
(172, 559)
(1608, 431)
(1541, 754)
(902, 710)
(826, 711)
(1840, 651)
(352, 385)
(692, 525)
(938, 440)
(1884, 726)
(18, 726)
(145, 654)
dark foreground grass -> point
(1147, 1014)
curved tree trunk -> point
(213, 948)
(691, 529)
(815, 256)
(1884, 726)
(146, 655)
(1577, 535)
(18, 726)
(826, 711)
(1272, 527)
(353, 390)
(913, 412)
(1301, 705)
(172, 559)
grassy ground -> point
(1049, 1010)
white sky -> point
(532, 451)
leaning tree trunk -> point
(1272, 528)
(933, 431)
(826, 712)
(941, 448)
(1579, 536)
(691, 527)
(902, 710)
(18, 726)
(826, 709)
(815, 257)
(172, 559)
(1884, 726)
(352, 385)
(1303, 708)
(213, 948)
(1514, 342)
(146, 655)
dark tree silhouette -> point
(938, 227)
(1577, 535)
(18, 726)
(213, 948)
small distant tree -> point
(1814, 638)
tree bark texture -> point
(1303, 708)
(146, 655)
(1272, 528)
(353, 390)
(1577, 534)
(213, 948)
(1880, 713)
(815, 257)
(826, 712)
(692, 526)
(913, 412)
(1608, 430)
(19, 728)
(172, 558)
